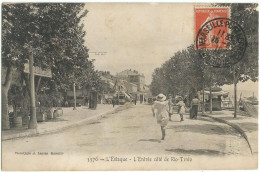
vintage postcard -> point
(129, 86)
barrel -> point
(41, 116)
(18, 123)
(26, 120)
(58, 113)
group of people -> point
(163, 110)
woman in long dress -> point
(170, 107)
(161, 107)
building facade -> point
(133, 77)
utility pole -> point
(74, 93)
(33, 119)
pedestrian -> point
(113, 102)
(181, 105)
(59, 102)
(86, 100)
(161, 107)
(170, 106)
(185, 100)
(135, 101)
(194, 108)
(66, 103)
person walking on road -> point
(181, 105)
(185, 100)
(194, 108)
(170, 105)
(161, 107)
(113, 102)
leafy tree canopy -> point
(54, 34)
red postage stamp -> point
(203, 18)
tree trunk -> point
(203, 95)
(5, 89)
(235, 100)
(74, 93)
(38, 85)
(210, 94)
(33, 119)
(173, 97)
(25, 77)
(5, 116)
(235, 93)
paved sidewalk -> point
(247, 126)
(70, 118)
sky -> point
(137, 36)
(142, 37)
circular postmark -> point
(221, 42)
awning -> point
(218, 93)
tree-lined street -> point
(135, 130)
(82, 80)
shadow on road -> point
(228, 118)
(196, 152)
(249, 126)
(56, 120)
(94, 122)
(208, 129)
(206, 120)
(149, 140)
(132, 127)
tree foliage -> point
(185, 72)
(51, 32)
(246, 15)
(54, 33)
(180, 75)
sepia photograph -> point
(129, 86)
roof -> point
(128, 72)
(214, 89)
